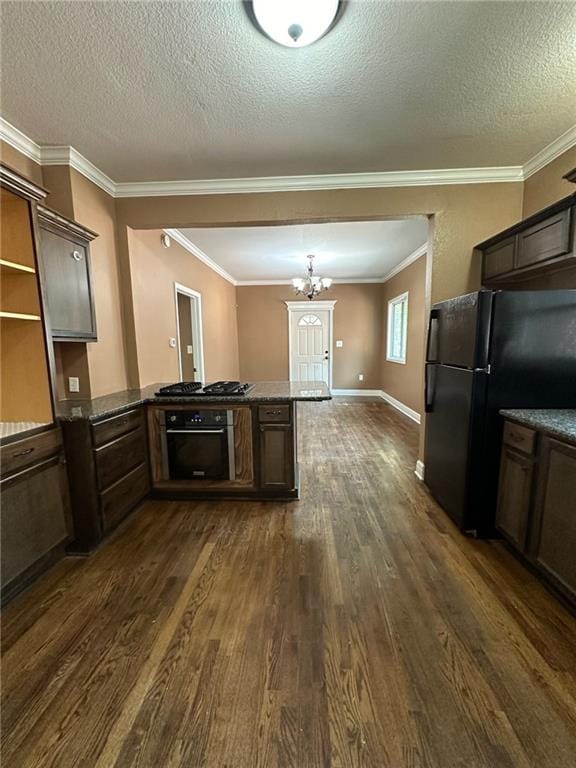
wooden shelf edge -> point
(13, 265)
(18, 316)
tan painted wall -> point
(406, 382)
(463, 216)
(263, 333)
(154, 270)
(547, 185)
(106, 359)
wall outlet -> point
(339, 343)
(189, 349)
(360, 377)
(73, 384)
(172, 343)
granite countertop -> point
(558, 422)
(117, 402)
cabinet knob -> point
(76, 255)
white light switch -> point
(73, 384)
(172, 343)
(339, 343)
(189, 349)
(360, 377)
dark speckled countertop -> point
(263, 392)
(557, 422)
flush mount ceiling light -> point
(311, 285)
(295, 23)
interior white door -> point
(310, 345)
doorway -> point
(310, 340)
(189, 333)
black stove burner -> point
(182, 388)
(194, 388)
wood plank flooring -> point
(355, 627)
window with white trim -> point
(397, 329)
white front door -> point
(310, 345)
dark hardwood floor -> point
(356, 627)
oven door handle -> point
(195, 431)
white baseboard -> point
(419, 471)
(414, 415)
(357, 392)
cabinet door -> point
(516, 472)
(68, 288)
(554, 532)
(499, 259)
(276, 456)
(545, 240)
(34, 518)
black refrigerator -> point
(486, 351)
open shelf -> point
(11, 267)
(19, 316)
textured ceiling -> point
(153, 91)
(353, 250)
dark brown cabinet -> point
(276, 456)
(108, 471)
(553, 545)
(65, 252)
(537, 503)
(543, 244)
(516, 472)
(34, 511)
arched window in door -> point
(309, 320)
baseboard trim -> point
(412, 414)
(357, 392)
(419, 471)
(407, 411)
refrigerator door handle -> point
(432, 335)
(429, 387)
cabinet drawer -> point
(19, 455)
(545, 240)
(117, 458)
(274, 413)
(499, 258)
(120, 498)
(521, 438)
(105, 431)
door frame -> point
(298, 306)
(197, 329)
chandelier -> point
(311, 285)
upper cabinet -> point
(543, 244)
(65, 251)
(25, 358)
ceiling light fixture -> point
(312, 285)
(295, 23)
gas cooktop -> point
(195, 388)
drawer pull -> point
(273, 413)
(76, 255)
(515, 438)
(24, 453)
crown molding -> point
(19, 140)
(414, 256)
(64, 155)
(69, 156)
(188, 245)
(551, 152)
(335, 281)
(325, 181)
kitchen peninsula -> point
(121, 447)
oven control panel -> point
(198, 418)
